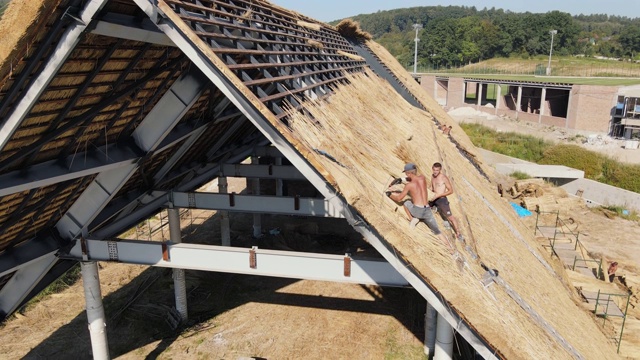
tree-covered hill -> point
(458, 35)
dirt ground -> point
(240, 316)
(614, 239)
(231, 316)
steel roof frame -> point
(169, 22)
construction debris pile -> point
(538, 195)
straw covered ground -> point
(372, 132)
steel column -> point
(95, 310)
(179, 285)
(255, 189)
(225, 234)
(444, 340)
(430, 321)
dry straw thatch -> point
(350, 55)
(310, 25)
(371, 131)
(351, 30)
(15, 38)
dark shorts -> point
(443, 206)
(423, 213)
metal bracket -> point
(253, 260)
(83, 247)
(191, 198)
(165, 252)
(347, 265)
(112, 247)
(232, 199)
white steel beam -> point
(26, 253)
(65, 46)
(52, 172)
(262, 171)
(269, 151)
(264, 204)
(148, 135)
(126, 27)
(22, 282)
(254, 261)
(176, 30)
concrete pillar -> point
(543, 100)
(479, 94)
(498, 98)
(444, 340)
(95, 310)
(519, 101)
(279, 184)
(225, 233)
(430, 321)
(179, 283)
(257, 218)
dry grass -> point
(351, 30)
(365, 126)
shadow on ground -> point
(137, 312)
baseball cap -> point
(409, 167)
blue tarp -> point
(522, 212)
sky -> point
(328, 10)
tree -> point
(629, 40)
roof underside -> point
(107, 105)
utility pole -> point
(417, 28)
(552, 32)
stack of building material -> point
(537, 195)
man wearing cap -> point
(417, 208)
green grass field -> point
(596, 166)
(569, 69)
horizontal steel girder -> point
(255, 204)
(126, 27)
(262, 171)
(286, 264)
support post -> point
(543, 100)
(430, 320)
(444, 340)
(257, 218)
(279, 183)
(179, 283)
(479, 88)
(498, 97)
(519, 101)
(225, 233)
(95, 310)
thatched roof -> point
(264, 74)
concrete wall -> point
(594, 193)
(590, 107)
(428, 83)
(455, 96)
(602, 194)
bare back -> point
(418, 190)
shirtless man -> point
(417, 208)
(441, 187)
